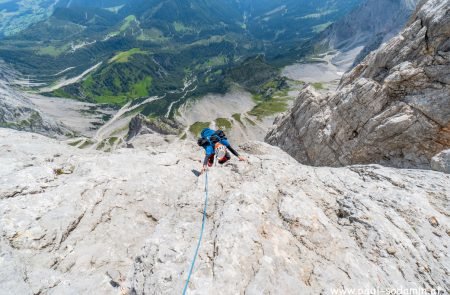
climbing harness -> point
(201, 235)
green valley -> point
(175, 50)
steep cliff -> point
(369, 24)
(17, 111)
(392, 109)
(86, 222)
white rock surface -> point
(441, 162)
(18, 112)
(85, 222)
(392, 109)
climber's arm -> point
(209, 151)
(232, 150)
(205, 161)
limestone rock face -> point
(18, 112)
(140, 125)
(392, 109)
(441, 162)
(373, 19)
(86, 222)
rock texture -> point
(392, 109)
(369, 24)
(441, 162)
(18, 112)
(86, 222)
(140, 125)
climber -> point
(216, 144)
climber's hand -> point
(204, 168)
(242, 159)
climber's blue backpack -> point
(210, 137)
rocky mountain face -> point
(140, 125)
(393, 108)
(365, 28)
(441, 162)
(86, 222)
(18, 112)
(369, 24)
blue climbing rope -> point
(201, 235)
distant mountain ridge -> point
(368, 25)
(155, 48)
